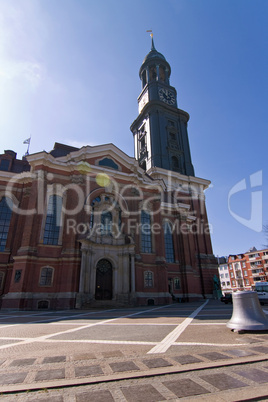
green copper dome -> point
(154, 58)
(153, 54)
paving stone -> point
(113, 353)
(264, 337)
(22, 362)
(185, 387)
(8, 341)
(84, 371)
(223, 381)
(250, 340)
(96, 396)
(84, 356)
(240, 352)
(141, 393)
(214, 356)
(254, 375)
(124, 366)
(12, 378)
(55, 398)
(260, 349)
(187, 359)
(158, 362)
(56, 374)
(54, 359)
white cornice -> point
(23, 177)
(86, 152)
(70, 164)
(6, 175)
(173, 180)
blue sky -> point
(69, 73)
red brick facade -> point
(114, 256)
(244, 270)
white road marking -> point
(52, 319)
(118, 324)
(107, 341)
(164, 345)
(159, 347)
(101, 341)
(144, 342)
(45, 337)
(17, 338)
(143, 324)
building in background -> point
(80, 226)
(243, 270)
(224, 276)
(240, 274)
(257, 262)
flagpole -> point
(29, 145)
(27, 141)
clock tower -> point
(160, 130)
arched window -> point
(169, 249)
(5, 217)
(162, 74)
(93, 203)
(146, 234)
(152, 73)
(53, 219)
(177, 284)
(106, 216)
(148, 279)
(106, 222)
(108, 162)
(144, 80)
(175, 163)
(46, 276)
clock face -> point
(166, 96)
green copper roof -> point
(153, 54)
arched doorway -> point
(104, 280)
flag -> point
(27, 141)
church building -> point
(89, 226)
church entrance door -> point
(104, 280)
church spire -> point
(152, 47)
(160, 131)
(152, 36)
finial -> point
(151, 35)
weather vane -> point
(151, 32)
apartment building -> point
(242, 271)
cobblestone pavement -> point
(142, 354)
